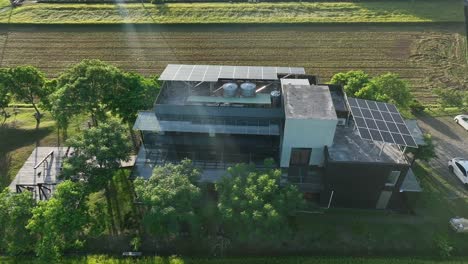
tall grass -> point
(340, 12)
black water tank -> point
(275, 97)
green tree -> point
(372, 92)
(170, 197)
(387, 87)
(253, 205)
(26, 84)
(98, 153)
(424, 152)
(395, 88)
(15, 211)
(59, 223)
(132, 94)
(97, 88)
(4, 96)
(352, 81)
(83, 88)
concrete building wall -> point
(307, 133)
(359, 185)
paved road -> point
(450, 140)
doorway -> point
(300, 157)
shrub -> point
(416, 107)
(443, 247)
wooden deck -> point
(41, 168)
(40, 172)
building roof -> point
(416, 132)
(212, 73)
(308, 102)
(348, 146)
(410, 183)
(147, 121)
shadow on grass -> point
(12, 138)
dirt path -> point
(451, 140)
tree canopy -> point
(252, 203)
(96, 88)
(83, 88)
(59, 222)
(133, 93)
(4, 95)
(351, 81)
(171, 198)
(15, 211)
(98, 152)
(26, 83)
(425, 152)
(388, 87)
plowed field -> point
(427, 59)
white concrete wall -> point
(307, 133)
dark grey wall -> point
(359, 185)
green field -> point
(326, 12)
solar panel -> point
(211, 73)
(379, 121)
(365, 134)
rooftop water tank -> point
(275, 97)
(229, 89)
(248, 89)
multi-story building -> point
(342, 151)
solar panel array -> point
(211, 73)
(380, 122)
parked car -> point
(459, 224)
(462, 120)
(459, 167)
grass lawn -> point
(370, 232)
(334, 12)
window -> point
(392, 178)
(300, 156)
(462, 169)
